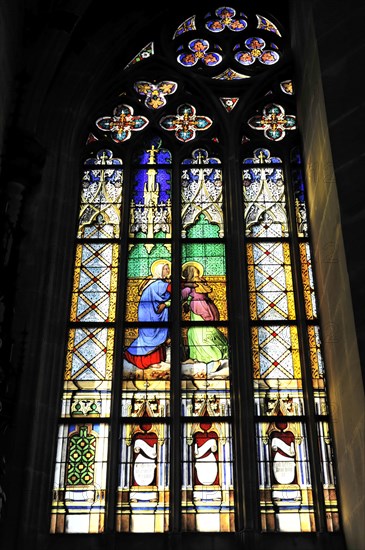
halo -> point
(197, 265)
(157, 263)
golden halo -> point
(197, 265)
(157, 263)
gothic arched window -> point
(194, 381)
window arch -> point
(193, 326)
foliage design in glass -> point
(155, 94)
(202, 194)
(185, 123)
(287, 87)
(122, 123)
(81, 457)
(255, 51)
(273, 121)
(81, 461)
(226, 20)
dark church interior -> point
(61, 67)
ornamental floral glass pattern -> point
(226, 19)
(273, 121)
(122, 123)
(199, 52)
(185, 123)
(255, 50)
(221, 52)
(155, 94)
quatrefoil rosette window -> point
(122, 123)
(185, 123)
(273, 121)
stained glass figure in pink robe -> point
(206, 342)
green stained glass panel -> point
(142, 256)
(202, 229)
(78, 504)
(210, 255)
(81, 457)
(203, 285)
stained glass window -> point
(194, 287)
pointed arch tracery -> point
(156, 340)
